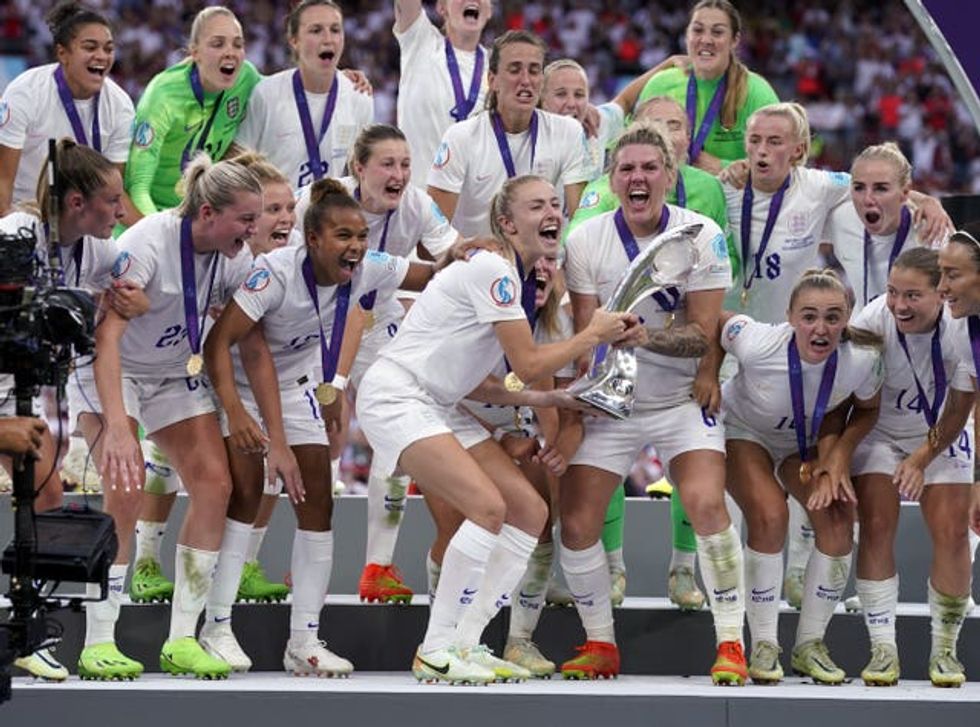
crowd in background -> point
(864, 70)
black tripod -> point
(25, 631)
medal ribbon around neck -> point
(498, 131)
(306, 121)
(202, 139)
(900, 236)
(974, 325)
(368, 300)
(189, 281)
(68, 102)
(796, 395)
(775, 204)
(697, 141)
(529, 293)
(329, 356)
(464, 103)
(929, 411)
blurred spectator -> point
(863, 69)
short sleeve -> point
(249, 132)
(413, 38)
(735, 335)
(492, 288)
(874, 376)
(869, 318)
(579, 275)
(438, 235)
(612, 120)
(15, 115)
(136, 264)
(575, 164)
(261, 291)
(448, 170)
(381, 271)
(235, 272)
(121, 134)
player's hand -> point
(360, 81)
(281, 464)
(122, 465)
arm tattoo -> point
(681, 342)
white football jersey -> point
(468, 163)
(417, 219)
(901, 415)
(275, 292)
(31, 113)
(425, 91)
(595, 262)
(447, 340)
(272, 126)
(155, 344)
(503, 416)
(845, 231)
(794, 243)
(759, 394)
(962, 347)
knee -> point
(580, 529)
(767, 526)
(950, 539)
(489, 511)
(877, 529)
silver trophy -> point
(669, 260)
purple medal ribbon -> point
(202, 139)
(796, 393)
(317, 166)
(697, 141)
(498, 131)
(775, 204)
(680, 191)
(529, 293)
(973, 322)
(368, 299)
(929, 411)
(68, 101)
(328, 357)
(194, 326)
(464, 104)
(903, 232)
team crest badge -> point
(257, 280)
(798, 224)
(232, 107)
(503, 291)
(143, 135)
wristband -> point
(339, 382)
(498, 434)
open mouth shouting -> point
(549, 233)
(280, 236)
(471, 12)
(228, 69)
(327, 55)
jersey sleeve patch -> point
(590, 200)
(840, 179)
(257, 280)
(442, 156)
(720, 246)
(503, 291)
(381, 258)
(4, 112)
(143, 135)
(122, 264)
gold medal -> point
(513, 383)
(195, 364)
(806, 473)
(369, 319)
(745, 296)
(326, 394)
(934, 437)
(669, 321)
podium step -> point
(654, 637)
(395, 699)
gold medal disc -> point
(513, 383)
(195, 364)
(934, 437)
(326, 394)
(368, 320)
(744, 297)
(806, 473)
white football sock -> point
(506, 565)
(528, 599)
(311, 564)
(723, 574)
(799, 535)
(587, 576)
(193, 573)
(823, 588)
(234, 544)
(879, 600)
(255, 544)
(946, 614)
(385, 509)
(149, 535)
(101, 616)
(763, 591)
(463, 568)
